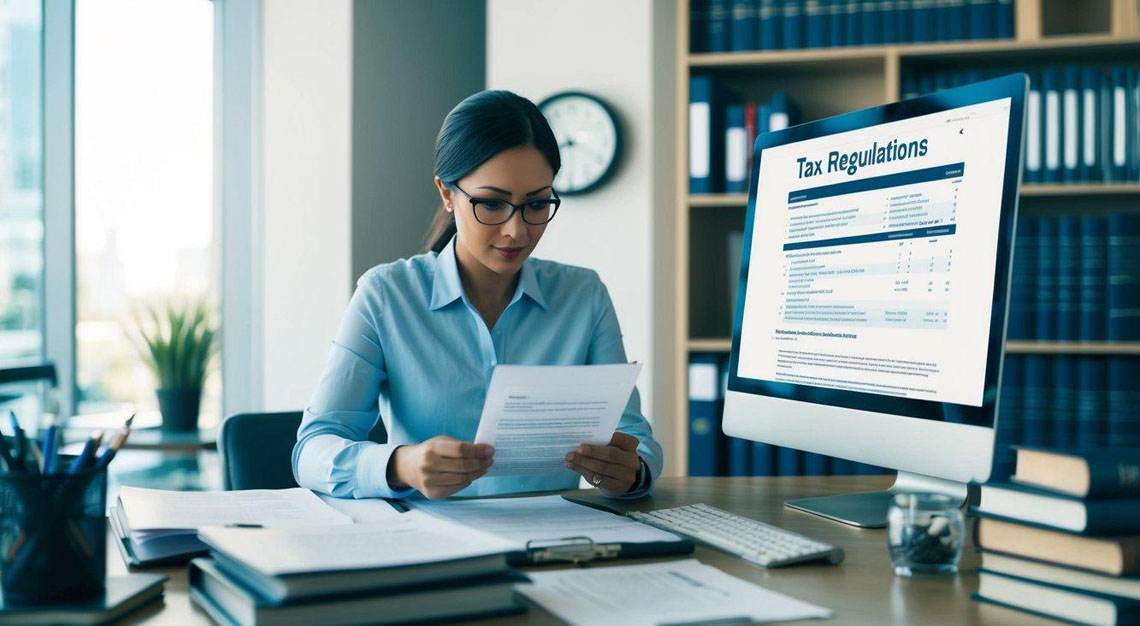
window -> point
(144, 168)
(21, 183)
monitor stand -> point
(868, 509)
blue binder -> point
(698, 26)
(953, 17)
(1071, 123)
(816, 23)
(889, 12)
(745, 25)
(739, 457)
(904, 17)
(1007, 430)
(1034, 129)
(1037, 428)
(763, 459)
(771, 24)
(1118, 163)
(1003, 21)
(1123, 398)
(789, 462)
(1023, 291)
(1092, 402)
(853, 22)
(1089, 168)
(706, 146)
(1068, 278)
(736, 150)
(836, 22)
(1051, 90)
(1124, 277)
(815, 464)
(793, 24)
(872, 19)
(1047, 268)
(781, 112)
(981, 19)
(1064, 401)
(842, 467)
(922, 13)
(719, 25)
(704, 421)
(1094, 277)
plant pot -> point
(179, 408)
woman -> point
(423, 334)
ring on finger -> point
(596, 480)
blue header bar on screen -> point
(925, 175)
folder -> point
(1051, 90)
(1071, 119)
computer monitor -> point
(871, 310)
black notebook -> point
(124, 594)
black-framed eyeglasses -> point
(495, 211)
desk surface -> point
(862, 590)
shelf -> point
(1011, 347)
(1035, 190)
(823, 57)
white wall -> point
(306, 167)
(623, 230)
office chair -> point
(257, 449)
(16, 376)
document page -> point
(411, 538)
(674, 592)
(149, 509)
(535, 414)
(543, 519)
(872, 255)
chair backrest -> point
(257, 449)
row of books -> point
(1076, 278)
(1067, 401)
(722, 130)
(1062, 538)
(712, 453)
(742, 25)
(1082, 121)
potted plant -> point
(178, 346)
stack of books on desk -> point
(1063, 538)
(410, 568)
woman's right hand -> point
(439, 466)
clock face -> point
(588, 140)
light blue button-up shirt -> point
(413, 351)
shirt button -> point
(494, 362)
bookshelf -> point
(830, 81)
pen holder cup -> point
(53, 536)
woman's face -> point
(516, 175)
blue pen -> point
(87, 455)
(49, 448)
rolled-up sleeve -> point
(606, 347)
(332, 454)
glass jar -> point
(925, 532)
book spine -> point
(735, 150)
(981, 19)
(1112, 517)
(1124, 277)
(739, 457)
(1008, 428)
(1092, 402)
(699, 26)
(842, 467)
(815, 464)
(789, 462)
(719, 25)
(1068, 278)
(1123, 400)
(815, 23)
(763, 459)
(771, 24)
(745, 25)
(869, 15)
(1064, 402)
(1088, 167)
(1047, 244)
(889, 15)
(1118, 165)
(793, 24)
(704, 421)
(854, 23)
(1094, 277)
(1034, 124)
(1038, 399)
(1051, 89)
(706, 136)
(923, 16)
(1003, 22)
(1071, 123)
(904, 21)
(954, 20)
(836, 22)
(1023, 291)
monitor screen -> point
(872, 266)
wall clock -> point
(589, 140)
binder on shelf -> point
(836, 22)
(1034, 125)
(1094, 277)
(1007, 429)
(1124, 277)
(815, 464)
(698, 25)
(889, 15)
(1118, 163)
(815, 23)
(871, 17)
(853, 35)
(1023, 290)
(842, 467)
(1047, 267)
(781, 112)
(922, 17)
(745, 25)
(771, 24)
(1123, 398)
(736, 150)
(954, 15)
(763, 459)
(706, 135)
(1051, 91)
(1092, 402)
(793, 24)
(1003, 20)
(1070, 124)
(704, 421)
(719, 25)
(1064, 402)
(981, 19)
(739, 457)
(1068, 278)
(789, 462)
(1038, 400)
(1089, 166)
(905, 20)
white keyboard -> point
(756, 542)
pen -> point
(244, 525)
(37, 459)
(116, 442)
(21, 440)
(87, 455)
(49, 447)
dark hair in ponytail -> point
(477, 129)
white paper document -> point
(674, 592)
(363, 510)
(544, 519)
(149, 509)
(410, 538)
(535, 414)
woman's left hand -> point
(613, 468)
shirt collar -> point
(447, 287)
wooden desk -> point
(862, 590)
